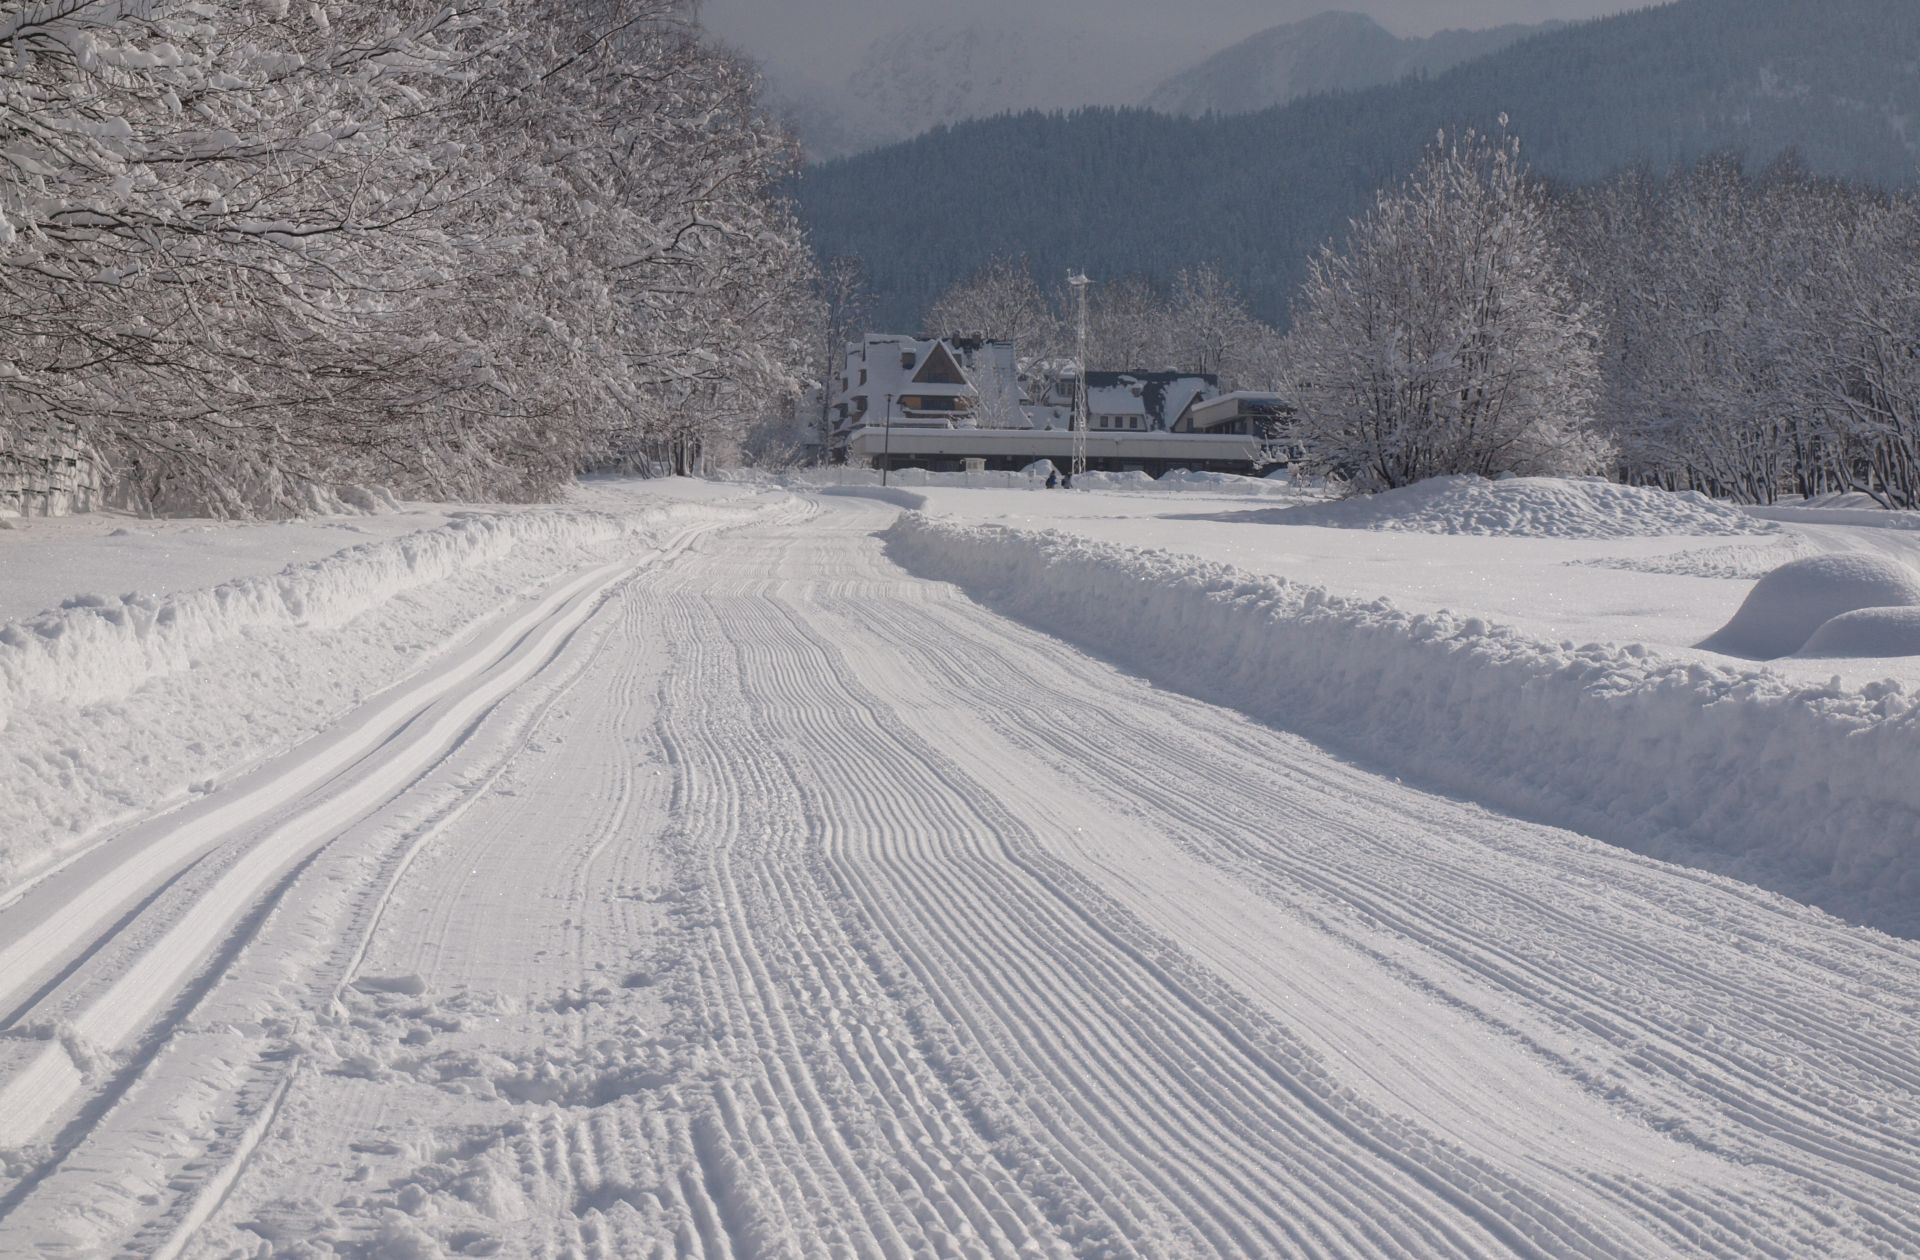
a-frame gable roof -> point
(947, 373)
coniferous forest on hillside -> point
(1122, 191)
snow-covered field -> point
(719, 871)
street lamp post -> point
(886, 460)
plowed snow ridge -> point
(112, 706)
(1807, 790)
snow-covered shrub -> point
(1445, 338)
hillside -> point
(1328, 53)
(1118, 191)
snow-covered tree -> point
(844, 302)
(1000, 302)
(1444, 337)
(1211, 328)
(1129, 326)
(248, 248)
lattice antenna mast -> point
(1080, 284)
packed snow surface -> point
(1533, 507)
(1788, 605)
(714, 886)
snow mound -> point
(1184, 480)
(1796, 599)
(1530, 507)
(1807, 790)
(1219, 483)
(1868, 632)
(1115, 481)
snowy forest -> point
(248, 251)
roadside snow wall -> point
(113, 705)
(1809, 791)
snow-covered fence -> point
(1810, 791)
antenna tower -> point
(1080, 283)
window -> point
(863, 376)
(1135, 423)
(908, 359)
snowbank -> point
(112, 705)
(1807, 790)
(1034, 476)
(1533, 507)
(1789, 604)
(1030, 478)
(1838, 510)
(1181, 480)
(884, 494)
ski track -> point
(773, 903)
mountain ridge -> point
(1332, 51)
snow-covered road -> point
(755, 898)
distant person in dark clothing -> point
(1066, 483)
(1053, 480)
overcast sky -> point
(822, 38)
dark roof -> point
(1153, 388)
(1108, 380)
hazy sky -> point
(821, 38)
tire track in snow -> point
(110, 1019)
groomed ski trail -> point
(813, 910)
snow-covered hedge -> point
(1811, 791)
(112, 705)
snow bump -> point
(1790, 604)
(1530, 507)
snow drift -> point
(1806, 790)
(1788, 605)
(1533, 507)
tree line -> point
(460, 250)
(1749, 335)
